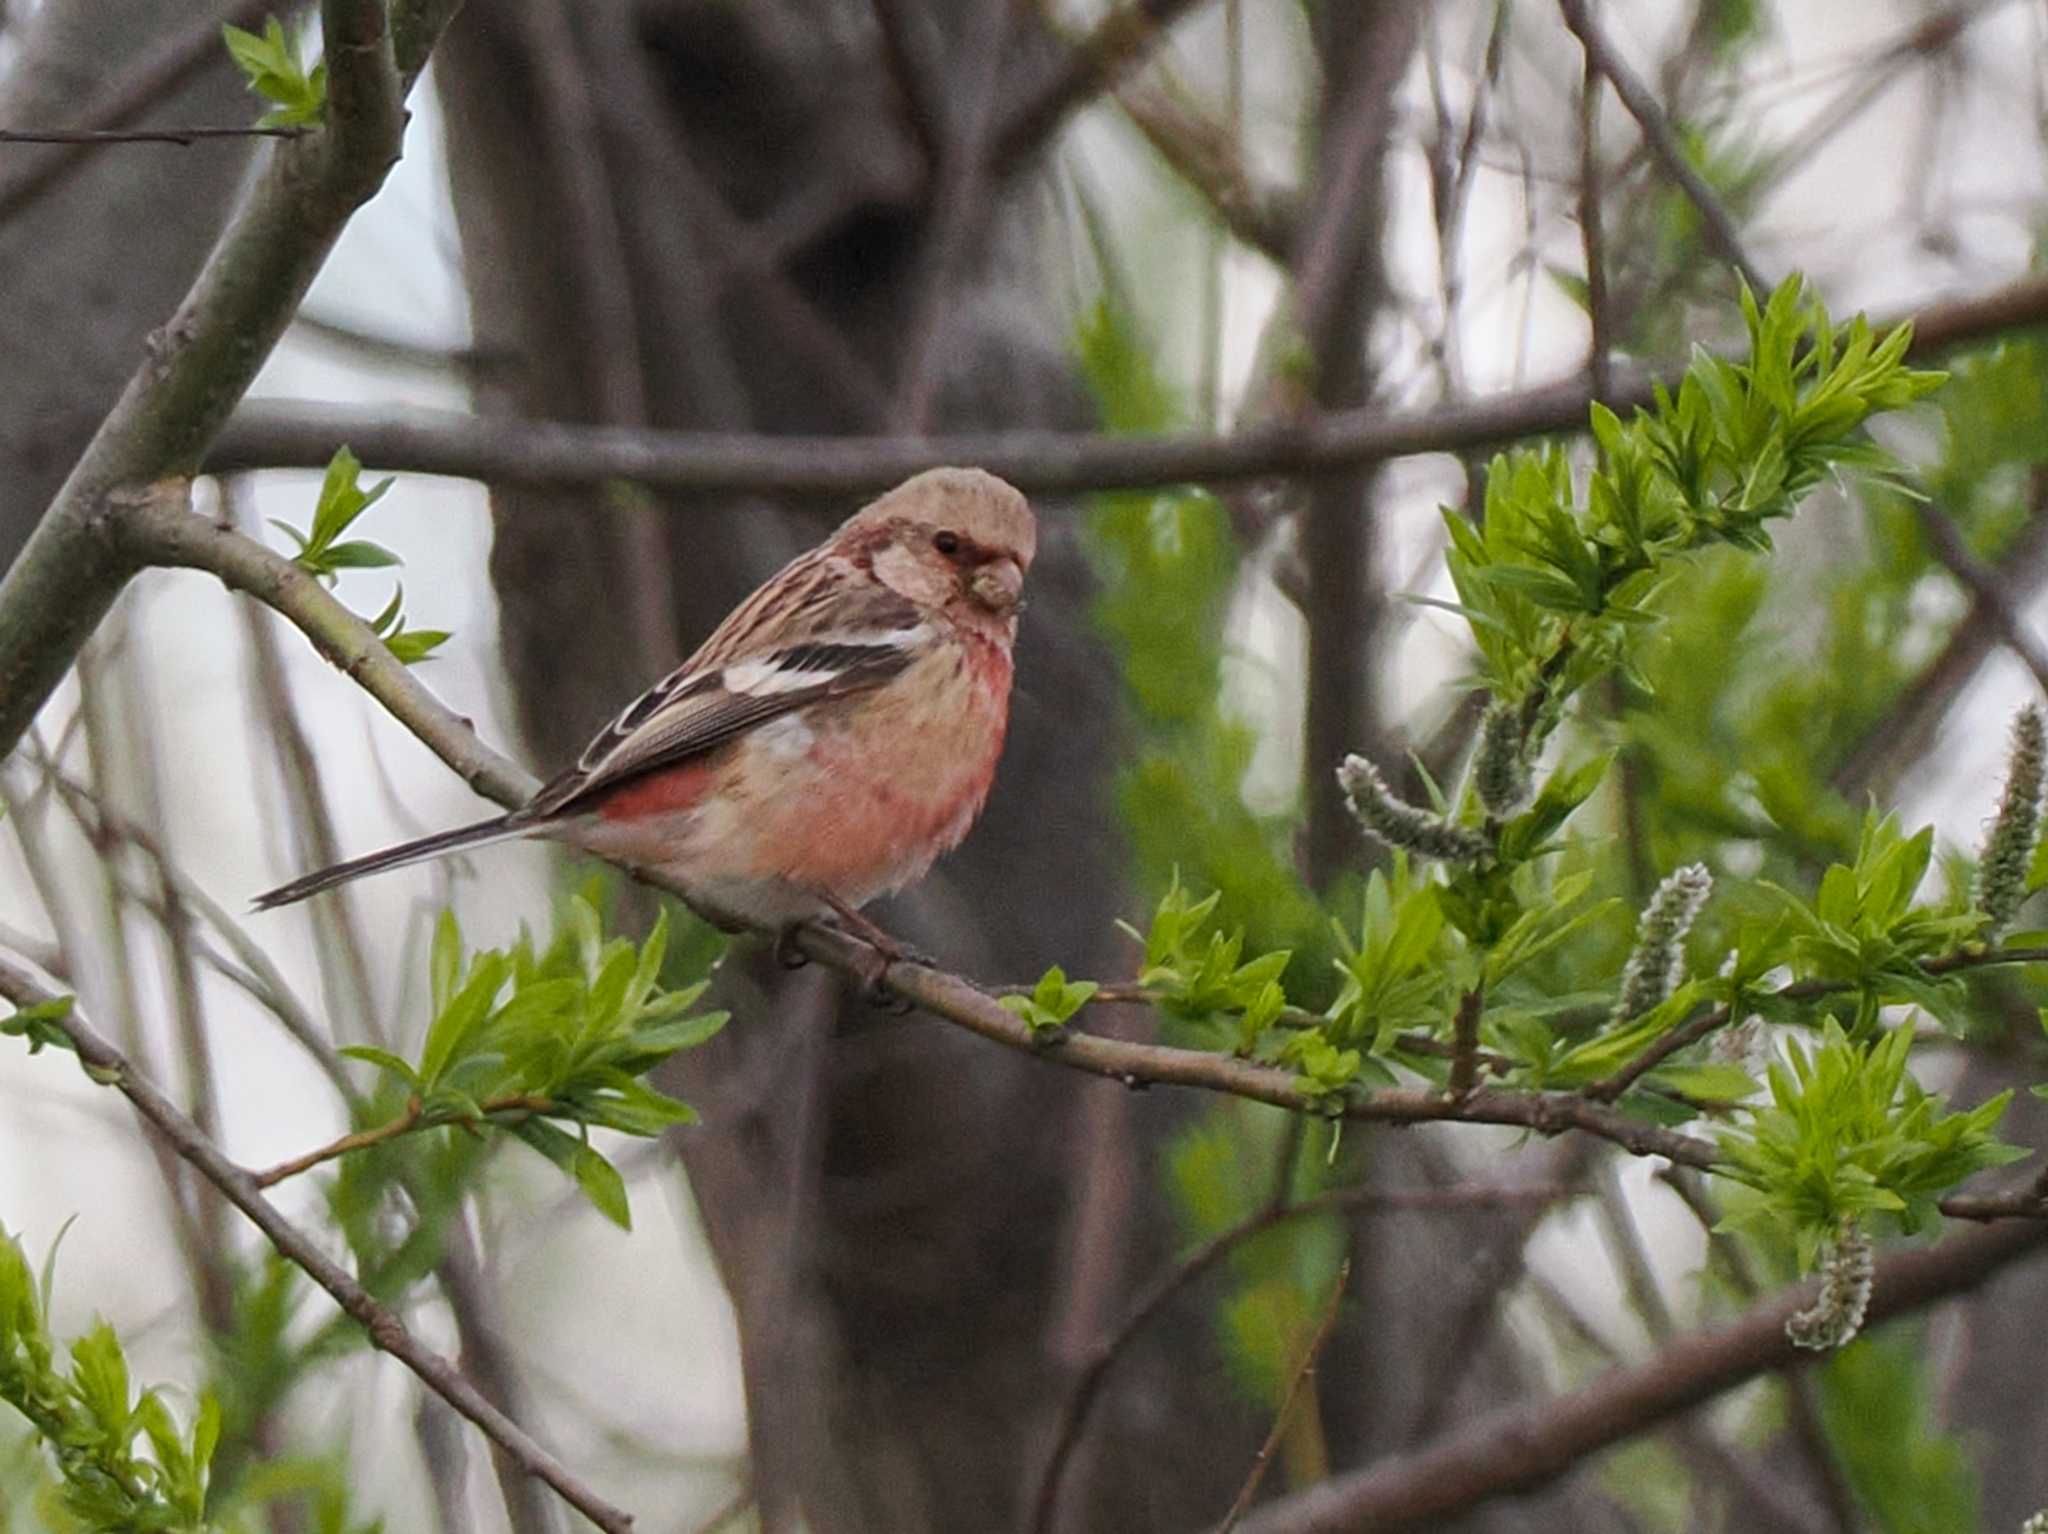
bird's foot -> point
(885, 950)
(787, 953)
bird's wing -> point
(729, 687)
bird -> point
(834, 735)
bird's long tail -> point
(497, 829)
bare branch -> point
(1301, 1378)
(267, 434)
(188, 135)
(958, 208)
(109, 1067)
(1205, 155)
(160, 72)
(1985, 584)
(1118, 44)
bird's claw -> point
(787, 953)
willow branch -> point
(413, 1118)
(160, 532)
(109, 1067)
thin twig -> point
(1088, 1382)
(414, 1117)
(164, 69)
(1670, 154)
(1118, 43)
(1206, 156)
(1302, 1376)
(258, 974)
(1986, 585)
(109, 1067)
(341, 954)
(188, 135)
(958, 209)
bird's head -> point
(949, 538)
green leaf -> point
(38, 1023)
(384, 1060)
(604, 1187)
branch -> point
(93, 136)
(273, 434)
(1523, 1447)
(162, 533)
(1205, 155)
(203, 361)
(1243, 1501)
(107, 1066)
(413, 1117)
(1117, 45)
(1670, 154)
(1987, 586)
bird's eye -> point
(946, 542)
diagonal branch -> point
(108, 1066)
(1521, 1447)
(203, 361)
(1987, 586)
(1118, 44)
(1094, 1372)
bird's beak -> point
(998, 585)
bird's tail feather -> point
(498, 828)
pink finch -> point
(834, 735)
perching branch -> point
(163, 533)
(108, 1066)
(268, 434)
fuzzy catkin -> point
(1836, 1315)
(1400, 824)
(2008, 852)
(1656, 965)
(1499, 774)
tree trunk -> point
(919, 1232)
